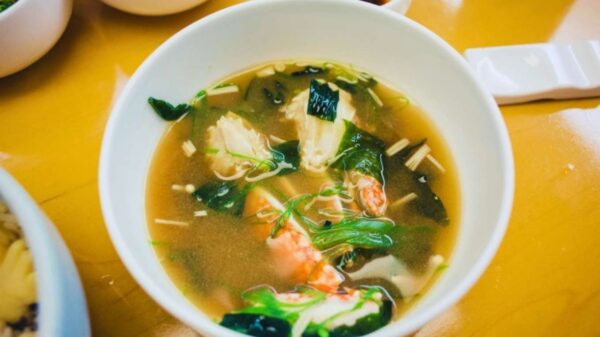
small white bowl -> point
(61, 302)
(29, 29)
(153, 7)
(390, 46)
(399, 6)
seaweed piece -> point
(287, 152)
(428, 203)
(360, 151)
(308, 70)
(269, 92)
(224, 197)
(322, 101)
(166, 110)
(257, 325)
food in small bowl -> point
(30, 29)
(18, 308)
(279, 201)
(4, 4)
(40, 290)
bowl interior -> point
(399, 51)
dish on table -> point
(33, 253)
(326, 180)
(29, 39)
(422, 66)
(18, 308)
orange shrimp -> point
(370, 194)
(293, 253)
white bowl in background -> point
(62, 307)
(390, 46)
(29, 29)
(153, 7)
(400, 6)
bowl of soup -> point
(337, 172)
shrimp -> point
(292, 251)
(370, 194)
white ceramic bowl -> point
(61, 301)
(399, 51)
(153, 7)
(29, 28)
(400, 6)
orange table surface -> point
(545, 279)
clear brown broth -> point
(215, 258)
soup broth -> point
(219, 218)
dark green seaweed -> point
(322, 101)
(360, 151)
(225, 197)
(257, 325)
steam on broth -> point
(301, 199)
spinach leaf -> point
(257, 325)
(358, 232)
(322, 101)
(360, 151)
(4, 4)
(287, 152)
(224, 197)
(166, 110)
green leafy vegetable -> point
(4, 4)
(224, 197)
(166, 110)
(368, 233)
(199, 113)
(322, 101)
(360, 151)
(266, 313)
(361, 327)
(293, 203)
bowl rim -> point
(399, 327)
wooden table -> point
(544, 281)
